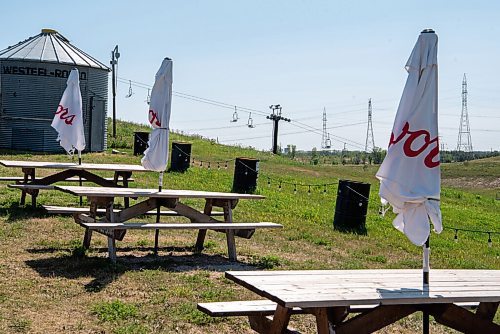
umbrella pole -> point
(157, 231)
(79, 177)
(426, 269)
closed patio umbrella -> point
(68, 120)
(156, 155)
(410, 174)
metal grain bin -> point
(33, 75)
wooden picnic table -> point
(114, 225)
(328, 294)
(31, 185)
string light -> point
(489, 233)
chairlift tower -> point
(464, 140)
(276, 117)
(325, 137)
(370, 141)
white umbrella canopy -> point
(68, 120)
(410, 174)
(156, 155)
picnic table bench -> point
(31, 184)
(115, 222)
(380, 297)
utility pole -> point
(276, 117)
(114, 65)
(464, 141)
(370, 141)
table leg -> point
(125, 176)
(29, 173)
(112, 248)
(281, 319)
(202, 233)
(465, 321)
(93, 214)
(231, 244)
(487, 311)
(322, 323)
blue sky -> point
(303, 55)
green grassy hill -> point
(46, 285)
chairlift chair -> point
(328, 142)
(235, 116)
(250, 121)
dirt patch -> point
(472, 183)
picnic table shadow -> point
(16, 212)
(105, 272)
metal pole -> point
(158, 211)
(79, 176)
(426, 269)
(275, 136)
(114, 61)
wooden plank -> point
(36, 164)
(266, 307)
(152, 193)
(262, 307)
(71, 165)
(174, 226)
(344, 288)
(71, 210)
(358, 273)
(31, 186)
(71, 179)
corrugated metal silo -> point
(33, 75)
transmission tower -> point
(464, 141)
(370, 141)
(325, 137)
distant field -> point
(47, 284)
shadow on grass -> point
(16, 212)
(105, 272)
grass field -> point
(49, 285)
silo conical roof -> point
(50, 46)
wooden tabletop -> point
(71, 165)
(165, 193)
(328, 288)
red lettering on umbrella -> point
(412, 136)
(63, 114)
(153, 118)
